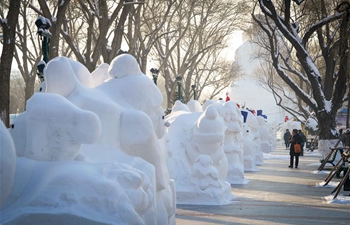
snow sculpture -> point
(7, 163)
(217, 104)
(253, 124)
(19, 133)
(179, 106)
(124, 188)
(79, 192)
(130, 88)
(142, 125)
(142, 120)
(233, 142)
(82, 73)
(100, 74)
(208, 135)
(54, 130)
(195, 145)
(272, 130)
(248, 145)
(105, 189)
(194, 106)
(66, 84)
(264, 135)
(70, 129)
(204, 174)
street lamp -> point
(155, 73)
(179, 82)
(43, 24)
(193, 86)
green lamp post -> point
(179, 82)
(43, 24)
(155, 73)
(193, 86)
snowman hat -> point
(245, 116)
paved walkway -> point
(274, 195)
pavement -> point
(275, 195)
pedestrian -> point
(286, 138)
(295, 139)
(342, 137)
(302, 143)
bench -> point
(344, 166)
(333, 156)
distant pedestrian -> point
(302, 143)
(342, 137)
(295, 139)
(286, 138)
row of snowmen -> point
(210, 146)
(94, 148)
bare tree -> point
(17, 98)
(212, 77)
(97, 32)
(196, 32)
(331, 34)
(146, 26)
(8, 26)
(92, 30)
(27, 52)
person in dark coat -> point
(294, 139)
(286, 138)
(300, 132)
(342, 137)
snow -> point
(8, 163)
(100, 74)
(328, 106)
(311, 124)
(95, 149)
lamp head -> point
(42, 23)
(154, 71)
(179, 79)
(41, 67)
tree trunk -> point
(9, 30)
(29, 89)
(327, 92)
(326, 123)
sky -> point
(246, 90)
(69, 159)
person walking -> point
(300, 132)
(295, 139)
(286, 138)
